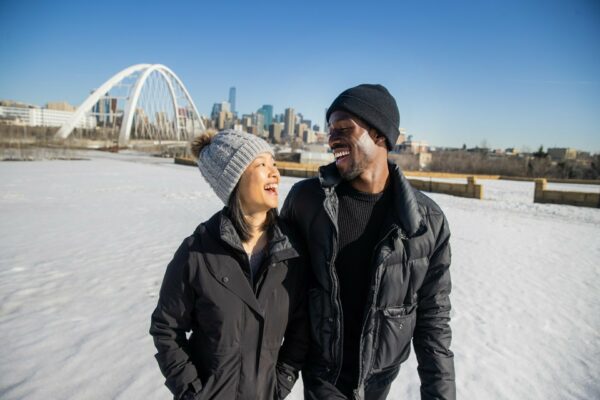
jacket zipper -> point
(334, 294)
(370, 304)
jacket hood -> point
(405, 205)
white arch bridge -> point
(144, 101)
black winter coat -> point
(237, 328)
(408, 296)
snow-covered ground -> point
(84, 245)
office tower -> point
(232, 99)
(258, 120)
(309, 136)
(267, 112)
(275, 130)
(300, 129)
(221, 115)
(218, 108)
(289, 123)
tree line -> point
(536, 165)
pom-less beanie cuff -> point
(225, 159)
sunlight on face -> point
(353, 146)
(259, 185)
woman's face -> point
(259, 185)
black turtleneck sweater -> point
(360, 219)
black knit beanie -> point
(374, 105)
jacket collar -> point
(228, 273)
(405, 205)
(280, 246)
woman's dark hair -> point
(239, 221)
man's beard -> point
(356, 168)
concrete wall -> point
(430, 174)
(582, 199)
(553, 180)
(185, 161)
(470, 190)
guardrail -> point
(582, 199)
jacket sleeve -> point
(296, 340)
(432, 335)
(288, 213)
(169, 323)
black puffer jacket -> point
(235, 349)
(408, 296)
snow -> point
(84, 245)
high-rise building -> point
(300, 129)
(258, 120)
(232, 99)
(275, 130)
(289, 123)
(225, 120)
(267, 111)
(219, 107)
(103, 110)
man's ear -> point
(377, 137)
(380, 139)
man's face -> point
(352, 144)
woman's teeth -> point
(272, 187)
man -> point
(380, 257)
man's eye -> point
(339, 131)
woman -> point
(238, 284)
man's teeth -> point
(342, 153)
(271, 186)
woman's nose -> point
(275, 171)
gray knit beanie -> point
(223, 158)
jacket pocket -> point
(395, 327)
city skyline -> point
(511, 75)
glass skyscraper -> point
(267, 111)
(232, 99)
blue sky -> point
(510, 73)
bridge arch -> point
(144, 71)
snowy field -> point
(84, 245)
